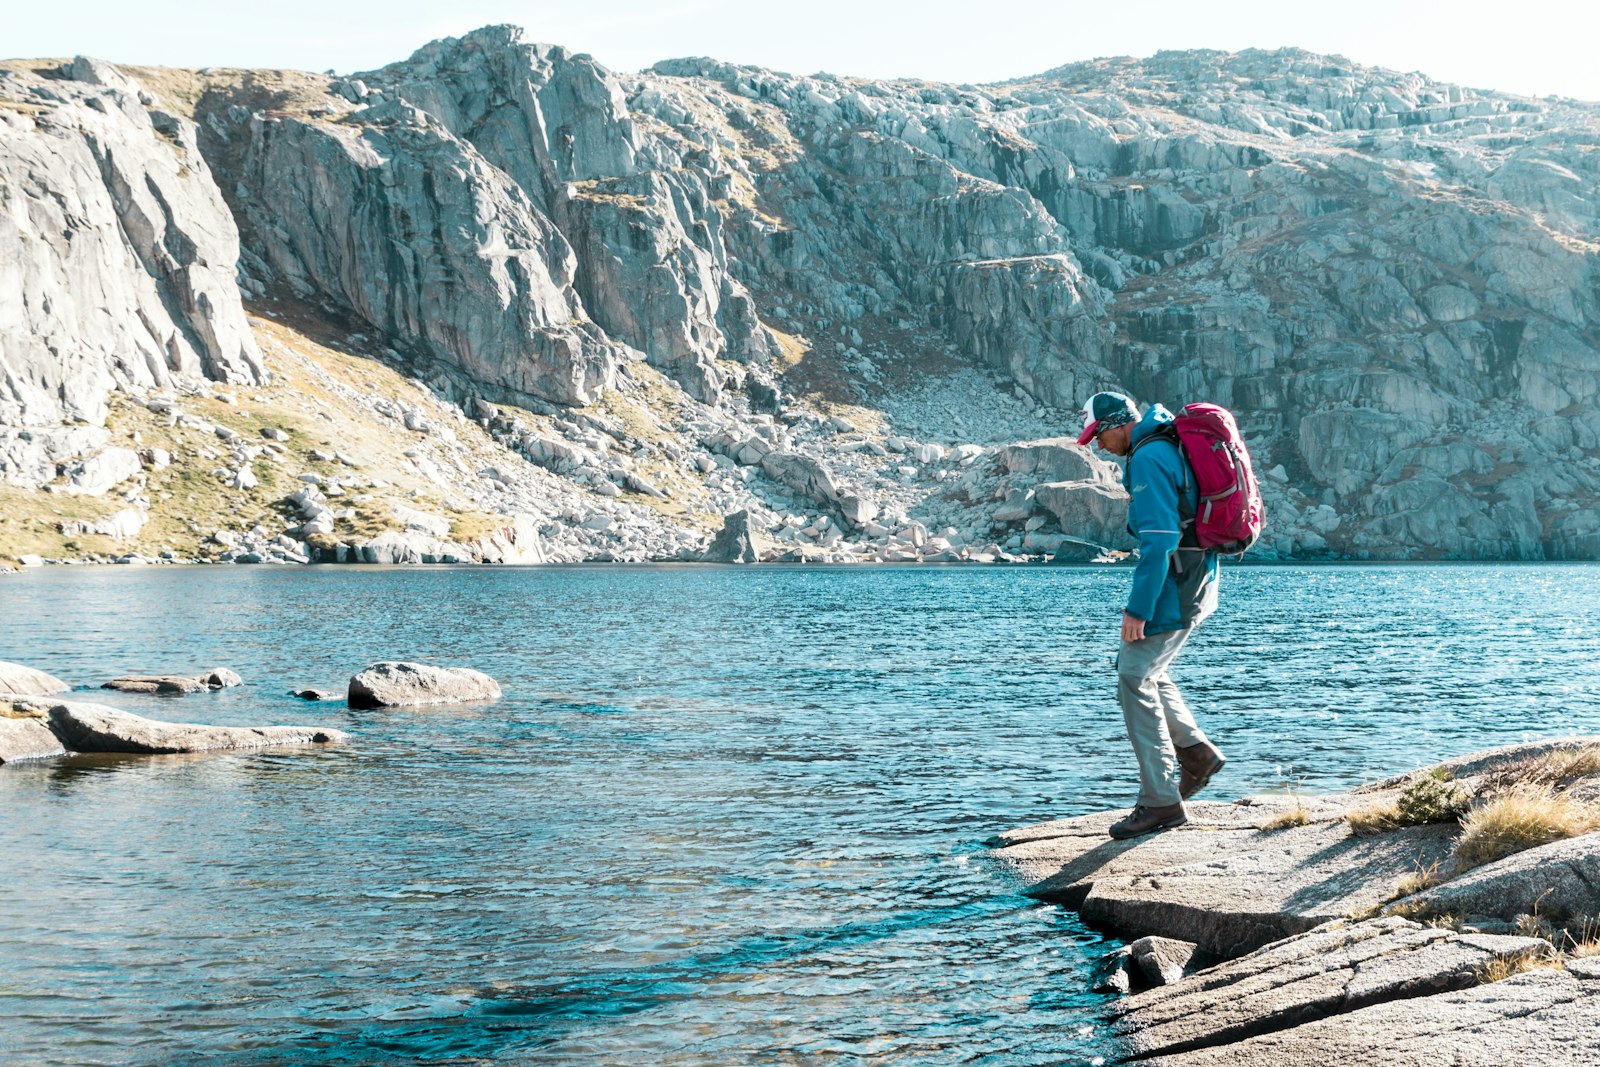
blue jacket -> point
(1171, 588)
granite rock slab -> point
(1546, 1017)
(1558, 879)
(1332, 970)
(85, 727)
(164, 684)
(26, 739)
(1223, 881)
(25, 681)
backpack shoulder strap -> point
(1186, 511)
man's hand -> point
(1132, 627)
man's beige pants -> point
(1156, 715)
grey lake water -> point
(721, 816)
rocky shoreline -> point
(1449, 916)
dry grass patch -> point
(1423, 878)
(1429, 797)
(1533, 959)
(1523, 816)
(1556, 767)
(1295, 816)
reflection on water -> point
(721, 816)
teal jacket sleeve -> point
(1152, 517)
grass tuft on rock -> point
(1295, 816)
(1502, 967)
(1430, 796)
(1523, 816)
(1557, 767)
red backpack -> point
(1230, 515)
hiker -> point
(1174, 589)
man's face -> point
(1118, 440)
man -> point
(1174, 589)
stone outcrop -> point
(1334, 970)
(1561, 878)
(84, 727)
(737, 542)
(1223, 882)
(1271, 891)
(117, 253)
(1541, 1016)
(26, 681)
(397, 684)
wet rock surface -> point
(165, 684)
(398, 684)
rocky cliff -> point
(515, 291)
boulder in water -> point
(396, 684)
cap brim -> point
(1088, 432)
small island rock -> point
(219, 678)
(396, 684)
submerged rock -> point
(98, 728)
(219, 678)
(166, 684)
(397, 684)
(25, 681)
(318, 694)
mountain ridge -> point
(1391, 279)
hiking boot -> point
(1143, 820)
(1196, 765)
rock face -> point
(25, 735)
(395, 684)
(117, 253)
(97, 728)
(841, 287)
(737, 542)
(1561, 878)
(25, 681)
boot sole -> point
(1170, 824)
(1201, 784)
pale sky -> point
(1532, 47)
